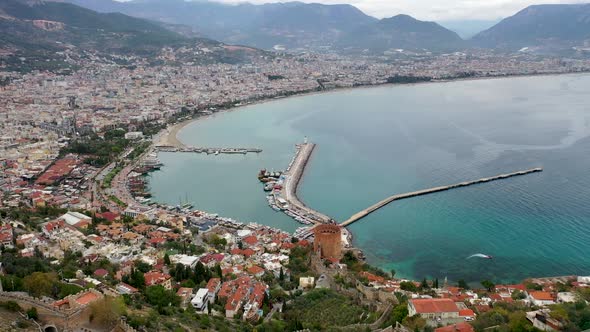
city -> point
(85, 248)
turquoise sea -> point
(376, 142)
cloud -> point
(435, 10)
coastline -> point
(170, 134)
(203, 117)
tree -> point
(424, 284)
(135, 279)
(281, 274)
(435, 283)
(408, 286)
(218, 271)
(107, 310)
(166, 259)
(39, 283)
(32, 313)
(199, 273)
(462, 284)
(488, 285)
(399, 313)
(143, 266)
(392, 271)
(160, 297)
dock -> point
(187, 149)
(360, 215)
(293, 176)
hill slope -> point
(34, 25)
(544, 26)
(402, 32)
(54, 35)
(294, 24)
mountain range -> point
(42, 31)
(290, 24)
(151, 24)
(540, 26)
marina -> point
(283, 186)
(214, 151)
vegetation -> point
(321, 309)
(403, 79)
(107, 311)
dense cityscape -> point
(85, 249)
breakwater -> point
(207, 150)
(287, 194)
(360, 215)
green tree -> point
(424, 284)
(462, 284)
(408, 286)
(107, 310)
(399, 313)
(32, 313)
(160, 297)
(488, 285)
(39, 283)
(392, 271)
(166, 259)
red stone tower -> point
(328, 241)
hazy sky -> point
(435, 10)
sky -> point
(435, 10)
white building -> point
(186, 260)
(540, 298)
(74, 218)
(133, 135)
(566, 297)
(201, 300)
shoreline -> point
(175, 129)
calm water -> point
(376, 142)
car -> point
(468, 319)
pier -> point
(169, 148)
(360, 215)
(292, 176)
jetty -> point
(360, 215)
(170, 148)
(292, 176)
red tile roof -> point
(255, 270)
(542, 296)
(251, 240)
(434, 305)
(466, 313)
(101, 273)
(460, 327)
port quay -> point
(284, 196)
(170, 148)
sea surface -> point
(376, 142)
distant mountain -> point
(41, 31)
(293, 24)
(540, 26)
(402, 32)
(468, 28)
(33, 25)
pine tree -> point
(166, 259)
(281, 274)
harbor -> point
(214, 151)
(283, 188)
